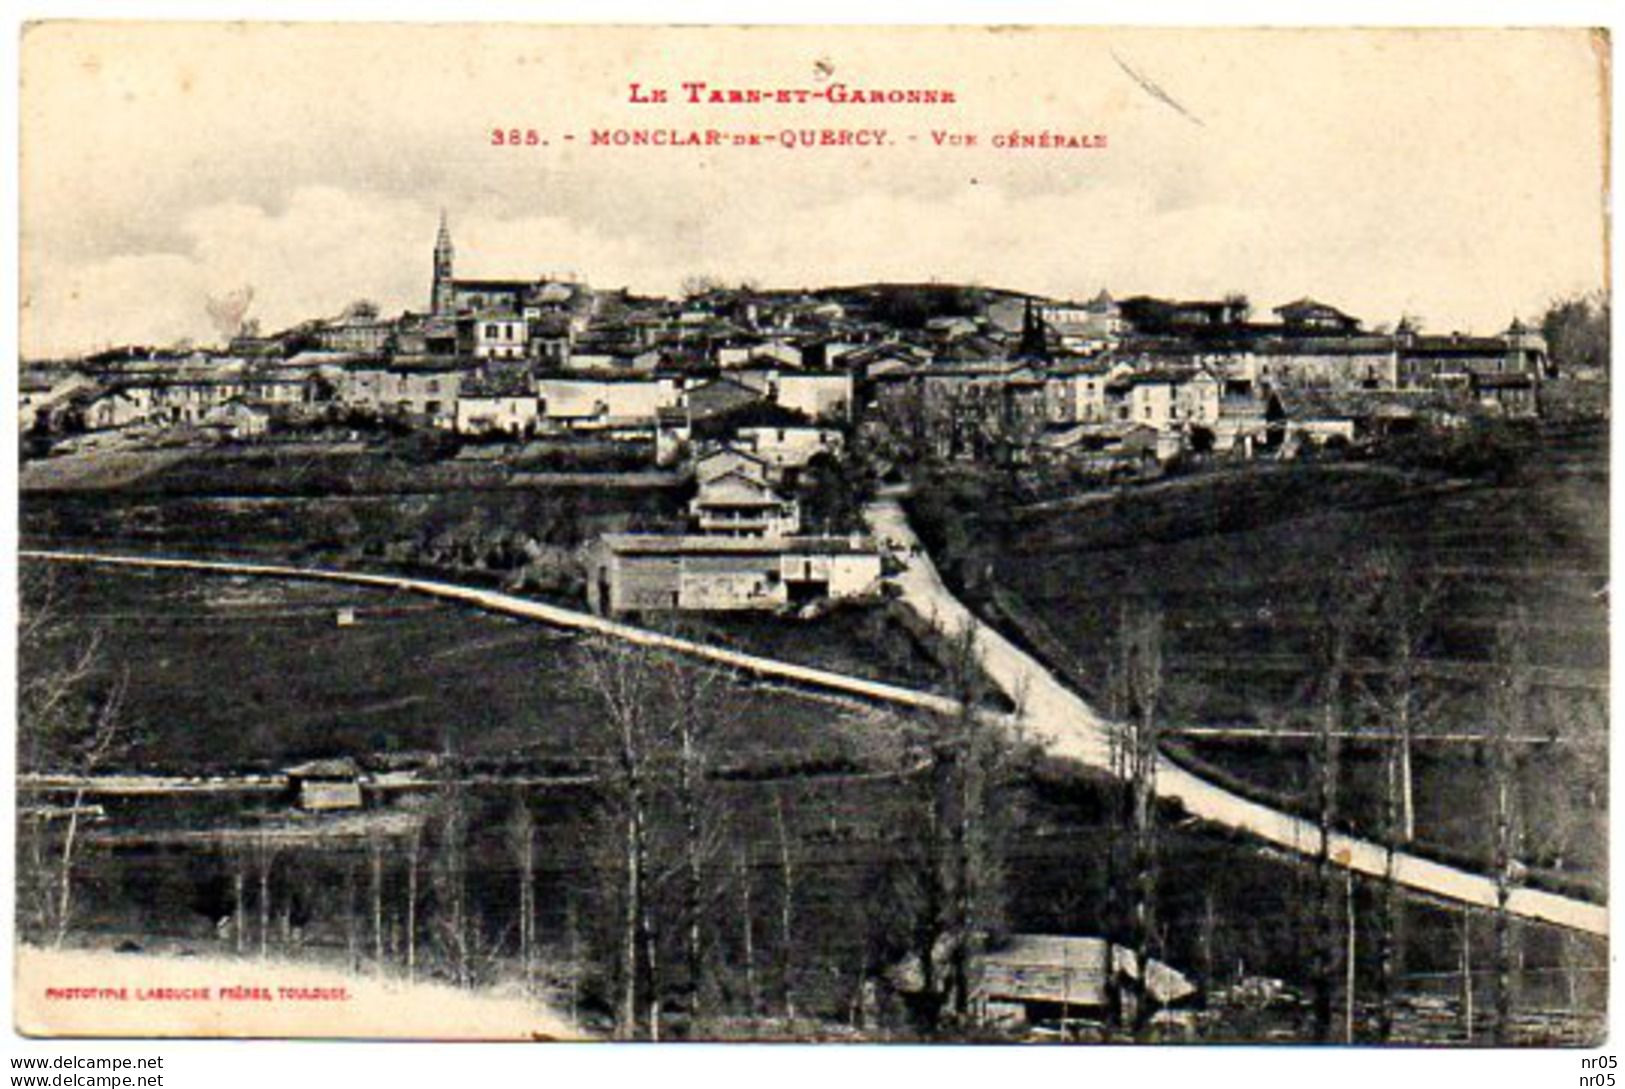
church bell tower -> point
(442, 299)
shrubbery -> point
(1485, 448)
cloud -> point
(147, 299)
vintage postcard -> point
(821, 534)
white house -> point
(738, 504)
(119, 407)
(819, 395)
(1145, 399)
(237, 419)
(596, 403)
(780, 352)
(1196, 400)
(1076, 395)
(505, 414)
(789, 447)
(500, 336)
(425, 390)
(722, 460)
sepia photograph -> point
(813, 534)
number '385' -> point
(515, 138)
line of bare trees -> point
(1387, 609)
(682, 871)
(947, 894)
(1383, 609)
(674, 864)
(1134, 693)
(1375, 608)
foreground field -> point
(804, 782)
(232, 675)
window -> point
(491, 331)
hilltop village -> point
(759, 396)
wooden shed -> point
(322, 785)
(1053, 978)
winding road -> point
(1051, 712)
(1069, 727)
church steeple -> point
(442, 296)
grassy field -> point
(1237, 563)
(229, 674)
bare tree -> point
(1119, 704)
(352, 922)
(1399, 700)
(787, 910)
(1344, 602)
(1142, 638)
(622, 682)
(239, 903)
(522, 842)
(414, 862)
(448, 879)
(1577, 811)
(655, 731)
(265, 854)
(375, 858)
(951, 892)
(694, 703)
(1509, 713)
(572, 929)
(1467, 973)
(1133, 693)
(71, 721)
(747, 918)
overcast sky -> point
(1454, 175)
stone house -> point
(657, 573)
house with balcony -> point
(737, 497)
